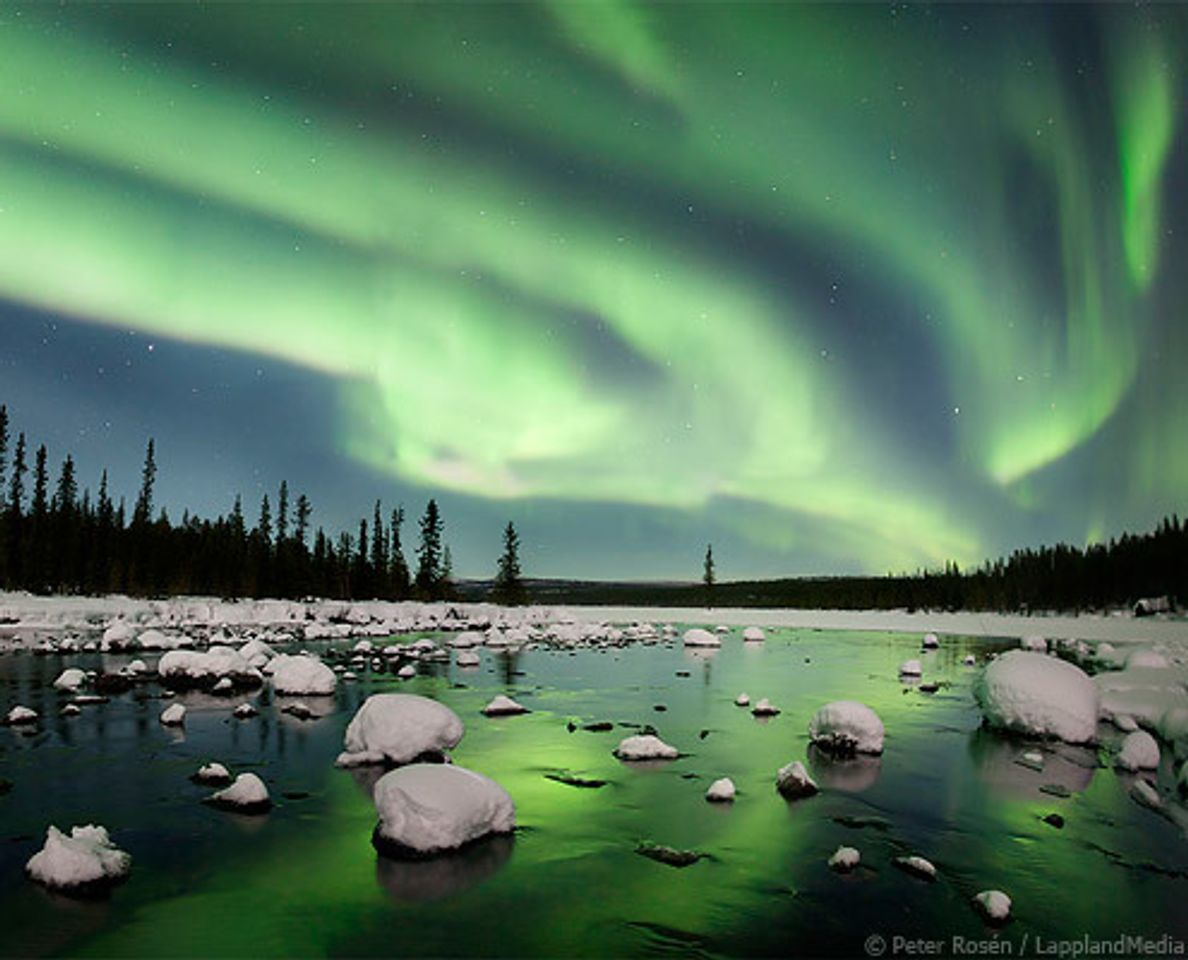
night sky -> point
(840, 288)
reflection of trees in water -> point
(996, 755)
(847, 774)
(507, 661)
(704, 656)
(418, 881)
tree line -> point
(56, 539)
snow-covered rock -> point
(119, 634)
(994, 905)
(395, 728)
(302, 676)
(764, 708)
(1140, 751)
(1146, 794)
(205, 668)
(844, 859)
(931, 641)
(916, 865)
(969, 660)
(502, 706)
(1124, 722)
(1038, 695)
(70, 710)
(793, 781)
(467, 658)
(407, 672)
(70, 679)
(697, 637)
(1147, 659)
(846, 726)
(754, 635)
(645, 747)
(84, 860)
(466, 639)
(137, 667)
(742, 700)
(224, 686)
(721, 791)
(19, 715)
(426, 809)
(174, 715)
(910, 668)
(1034, 643)
(214, 773)
(247, 794)
(257, 653)
(245, 711)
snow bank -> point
(645, 747)
(247, 794)
(1147, 659)
(721, 791)
(396, 728)
(1139, 752)
(84, 860)
(302, 676)
(846, 726)
(793, 781)
(1038, 695)
(701, 638)
(427, 809)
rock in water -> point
(910, 668)
(668, 855)
(212, 773)
(427, 809)
(173, 715)
(844, 859)
(70, 679)
(847, 727)
(19, 716)
(701, 638)
(764, 709)
(395, 728)
(246, 795)
(742, 700)
(1140, 751)
(917, 866)
(994, 905)
(794, 782)
(721, 791)
(503, 706)
(85, 861)
(645, 747)
(302, 676)
(754, 635)
(1040, 696)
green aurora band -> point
(499, 333)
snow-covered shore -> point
(25, 616)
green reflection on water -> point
(305, 881)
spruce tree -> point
(3, 453)
(509, 586)
(282, 515)
(142, 513)
(707, 575)
(302, 520)
(429, 553)
(379, 552)
(398, 566)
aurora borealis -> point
(839, 288)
